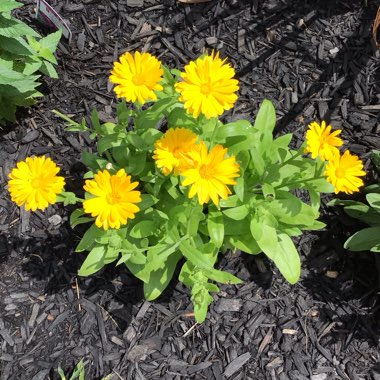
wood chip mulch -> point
(314, 60)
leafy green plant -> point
(23, 53)
(158, 198)
(367, 239)
(78, 373)
(262, 214)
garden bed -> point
(314, 61)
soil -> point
(315, 61)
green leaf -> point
(147, 201)
(375, 157)
(11, 27)
(48, 69)
(221, 276)
(193, 222)
(160, 278)
(50, 42)
(179, 117)
(143, 229)
(265, 235)
(266, 117)
(245, 243)
(236, 128)
(150, 117)
(110, 141)
(374, 200)
(47, 55)
(9, 5)
(363, 240)
(77, 217)
(194, 255)
(89, 237)
(201, 300)
(364, 213)
(287, 259)
(237, 213)
(23, 83)
(94, 261)
(78, 372)
(67, 197)
(15, 45)
(215, 226)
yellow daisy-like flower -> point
(210, 174)
(171, 150)
(34, 183)
(321, 141)
(343, 172)
(137, 77)
(208, 86)
(114, 199)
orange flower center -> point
(113, 198)
(206, 172)
(340, 173)
(206, 88)
(138, 80)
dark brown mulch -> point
(314, 60)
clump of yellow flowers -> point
(181, 195)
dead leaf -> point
(193, 1)
(376, 24)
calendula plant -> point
(367, 239)
(158, 198)
(23, 53)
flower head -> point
(210, 174)
(137, 77)
(208, 86)
(322, 143)
(171, 150)
(343, 171)
(114, 199)
(34, 183)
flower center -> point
(138, 79)
(113, 198)
(37, 183)
(177, 152)
(340, 173)
(206, 88)
(205, 171)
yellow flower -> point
(344, 172)
(137, 77)
(210, 174)
(171, 150)
(208, 86)
(322, 143)
(114, 201)
(34, 183)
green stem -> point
(290, 184)
(108, 155)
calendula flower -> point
(114, 200)
(210, 173)
(34, 183)
(321, 141)
(171, 150)
(343, 172)
(137, 77)
(208, 86)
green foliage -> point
(367, 239)
(262, 214)
(78, 373)
(23, 54)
